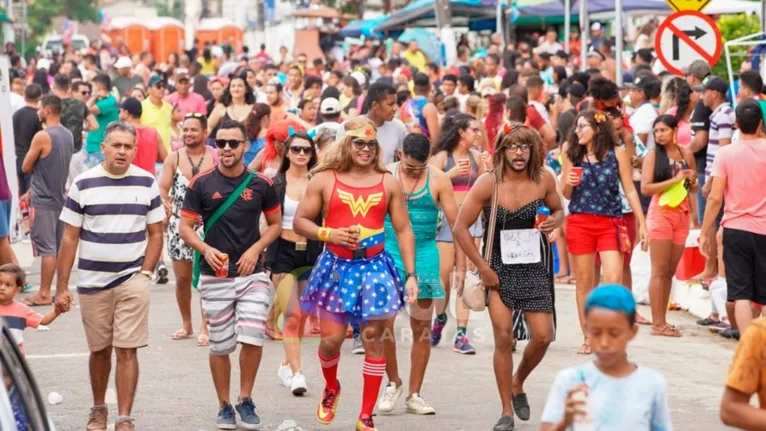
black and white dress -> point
(523, 287)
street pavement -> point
(175, 390)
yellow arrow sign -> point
(696, 5)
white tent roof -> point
(215, 24)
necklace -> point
(408, 196)
(195, 169)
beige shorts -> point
(119, 316)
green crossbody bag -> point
(210, 223)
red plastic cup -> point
(578, 170)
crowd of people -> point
(340, 192)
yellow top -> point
(158, 117)
(208, 67)
(417, 60)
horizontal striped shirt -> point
(19, 316)
(112, 214)
(721, 127)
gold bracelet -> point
(324, 234)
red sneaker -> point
(365, 424)
(327, 406)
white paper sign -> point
(520, 246)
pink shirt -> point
(189, 104)
(684, 135)
(743, 164)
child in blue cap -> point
(610, 392)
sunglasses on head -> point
(296, 149)
(196, 115)
(232, 143)
(371, 145)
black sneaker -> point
(730, 333)
(504, 424)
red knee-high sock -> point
(372, 371)
(330, 371)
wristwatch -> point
(147, 273)
(413, 275)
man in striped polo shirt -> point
(115, 214)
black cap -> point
(576, 90)
(713, 83)
(561, 54)
(132, 106)
(644, 83)
(645, 54)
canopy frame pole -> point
(568, 24)
(584, 26)
(618, 43)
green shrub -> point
(734, 27)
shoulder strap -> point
(492, 222)
(228, 203)
(211, 222)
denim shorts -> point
(445, 233)
(5, 218)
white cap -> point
(330, 106)
(488, 91)
(375, 62)
(595, 26)
(123, 62)
(44, 63)
(360, 78)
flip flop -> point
(181, 334)
(585, 349)
(666, 331)
(641, 320)
(203, 340)
(562, 279)
(34, 303)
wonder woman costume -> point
(361, 284)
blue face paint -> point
(612, 297)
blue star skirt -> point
(354, 290)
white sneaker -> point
(298, 384)
(390, 396)
(418, 405)
(285, 374)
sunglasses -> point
(295, 149)
(232, 143)
(85, 93)
(414, 168)
(371, 145)
(196, 115)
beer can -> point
(223, 271)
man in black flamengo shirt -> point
(237, 303)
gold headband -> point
(365, 133)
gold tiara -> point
(366, 133)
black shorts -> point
(24, 179)
(744, 254)
(288, 258)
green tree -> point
(734, 27)
(176, 12)
(40, 15)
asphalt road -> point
(176, 392)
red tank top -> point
(364, 207)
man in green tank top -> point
(426, 189)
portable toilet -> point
(168, 36)
(219, 30)
(134, 34)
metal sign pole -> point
(584, 28)
(568, 24)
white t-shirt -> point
(390, 137)
(642, 121)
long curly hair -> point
(278, 132)
(449, 137)
(226, 99)
(604, 137)
(338, 155)
(518, 133)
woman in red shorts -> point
(669, 176)
(593, 168)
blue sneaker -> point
(249, 420)
(436, 331)
(463, 346)
(227, 419)
(26, 288)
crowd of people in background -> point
(333, 155)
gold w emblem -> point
(359, 205)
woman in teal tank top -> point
(424, 216)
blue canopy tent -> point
(363, 27)
(554, 9)
(421, 13)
